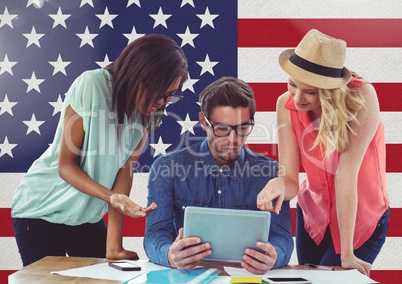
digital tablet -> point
(229, 231)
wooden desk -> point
(39, 271)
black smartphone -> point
(286, 280)
(124, 266)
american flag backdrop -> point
(46, 44)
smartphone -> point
(286, 280)
(124, 266)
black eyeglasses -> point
(173, 97)
(223, 130)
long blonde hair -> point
(339, 110)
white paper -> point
(104, 271)
(316, 276)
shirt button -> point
(183, 207)
(219, 191)
(221, 170)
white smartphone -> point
(286, 280)
(124, 266)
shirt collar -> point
(211, 167)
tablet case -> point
(229, 231)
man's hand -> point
(187, 253)
(126, 206)
(257, 262)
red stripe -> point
(6, 223)
(135, 227)
(386, 276)
(393, 162)
(4, 275)
(288, 32)
(266, 94)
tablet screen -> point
(229, 231)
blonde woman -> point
(329, 123)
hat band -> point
(315, 68)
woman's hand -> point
(126, 206)
(353, 262)
(273, 190)
(122, 254)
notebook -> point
(229, 231)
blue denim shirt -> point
(191, 177)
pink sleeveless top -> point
(317, 193)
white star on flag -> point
(6, 65)
(33, 37)
(59, 65)
(58, 105)
(207, 18)
(184, 2)
(104, 63)
(189, 84)
(59, 18)
(6, 18)
(160, 148)
(6, 148)
(36, 3)
(187, 124)
(33, 2)
(106, 18)
(133, 35)
(131, 2)
(33, 83)
(207, 65)
(33, 124)
(187, 37)
(6, 106)
(160, 18)
(86, 37)
(89, 2)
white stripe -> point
(319, 9)
(8, 183)
(390, 257)
(135, 244)
(265, 130)
(374, 64)
(139, 189)
(9, 256)
(392, 127)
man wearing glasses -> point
(217, 172)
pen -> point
(311, 265)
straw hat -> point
(318, 60)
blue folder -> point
(177, 276)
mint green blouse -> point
(43, 193)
